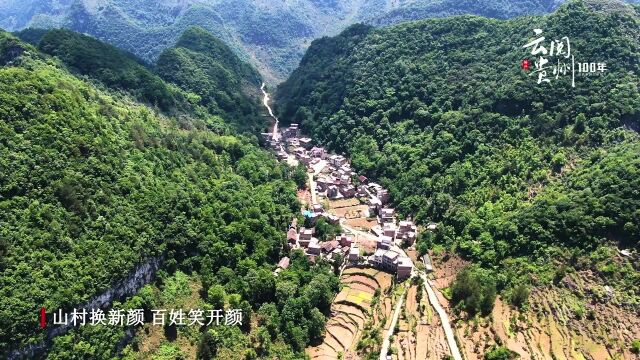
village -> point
(374, 250)
(377, 242)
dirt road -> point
(444, 318)
(389, 334)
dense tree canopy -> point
(272, 37)
(92, 184)
(442, 113)
(200, 77)
(205, 66)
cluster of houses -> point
(335, 179)
(317, 212)
(386, 256)
(388, 233)
(305, 239)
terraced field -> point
(352, 309)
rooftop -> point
(391, 255)
(283, 263)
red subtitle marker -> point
(43, 318)
(525, 64)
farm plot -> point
(351, 310)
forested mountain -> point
(271, 35)
(203, 65)
(226, 87)
(93, 183)
(516, 172)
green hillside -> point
(216, 85)
(203, 65)
(272, 37)
(516, 173)
(93, 183)
(87, 56)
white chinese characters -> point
(560, 50)
(159, 317)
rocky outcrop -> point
(140, 276)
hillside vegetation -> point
(211, 82)
(273, 36)
(520, 176)
(93, 183)
(203, 65)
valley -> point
(272, 36)
(361, 180)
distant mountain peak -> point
(273, 36)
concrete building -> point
(404, 268)
(387, 215)
(383, 195)
(318, 152)
(376, 258)
(347, 191)
(374, 206)
(354, 253)
(314, 247)
(389, 229)
(332, 219)
(407, 232)
(282, 156)
(332, 192)
(306, 143)
(384, 242)
(344, 240)
(318, 208)
(329, 246)
(305, 159)
(389, 260)
(428, 265)
(306, 236)
(337, 160)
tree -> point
(519, 295)
(500, 353)
(208, 346)
(297, 336)
(262, 341)
(216, 296)
(316, 324)
(326, 231)
(247, 312)
(300, 176)
(319, 292)
(284, 291)
(261, 286)
(269, 317)
(474, 290)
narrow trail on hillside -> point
(387, 338)
(265, 102)
(444, 318)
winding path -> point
(444, 318)
(387, 339)
(312, 188)
(265, 101)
